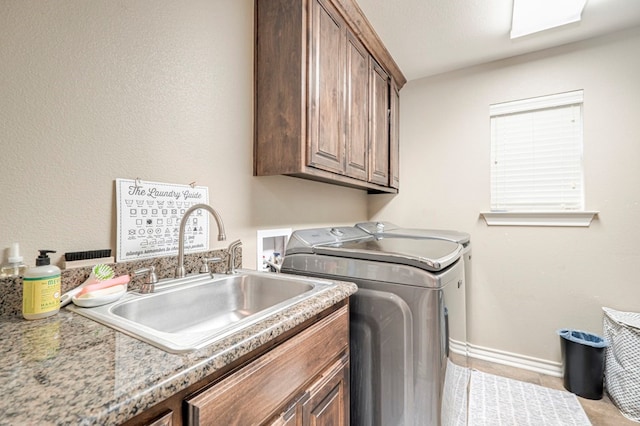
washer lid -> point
(303, 241)
(428, 254)
(388, 229)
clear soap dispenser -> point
(15, 266)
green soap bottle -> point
(41, 289)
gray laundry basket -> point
(622, 361)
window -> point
(536, 156)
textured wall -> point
(163, 90)
(529, 282)
(157, 89)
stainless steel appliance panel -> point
(431, 255)
(401, 321)
(380, 324)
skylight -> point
(532, 16)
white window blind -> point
(536, 154)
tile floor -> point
(601, 412)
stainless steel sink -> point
(190, 313)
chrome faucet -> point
(180, 271)
(231, 266)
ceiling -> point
(428, 37)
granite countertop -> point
(67, 369)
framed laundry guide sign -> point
(149, 215)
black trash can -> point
(582, 362)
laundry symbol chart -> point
(149, 216)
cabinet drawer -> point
(253, 394)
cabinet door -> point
(329, 398)
(357, 107)
(394, 135)
(326, 88)
(379, 126)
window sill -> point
(582, 219)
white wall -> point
(157, 89)
(529, 282)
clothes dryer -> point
(381, 229)
(409, 295)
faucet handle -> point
(231, 260)
(149, 285)
(204, 269)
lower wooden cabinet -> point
(313, 364)
(328, 402)
(325, 402)
(303, 380)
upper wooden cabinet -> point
(325, 87)
(379, 125)
(394, 135)
(326, 82)
(357, 109)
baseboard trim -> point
(496, 356)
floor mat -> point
(495, 400)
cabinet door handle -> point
(291, 409)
